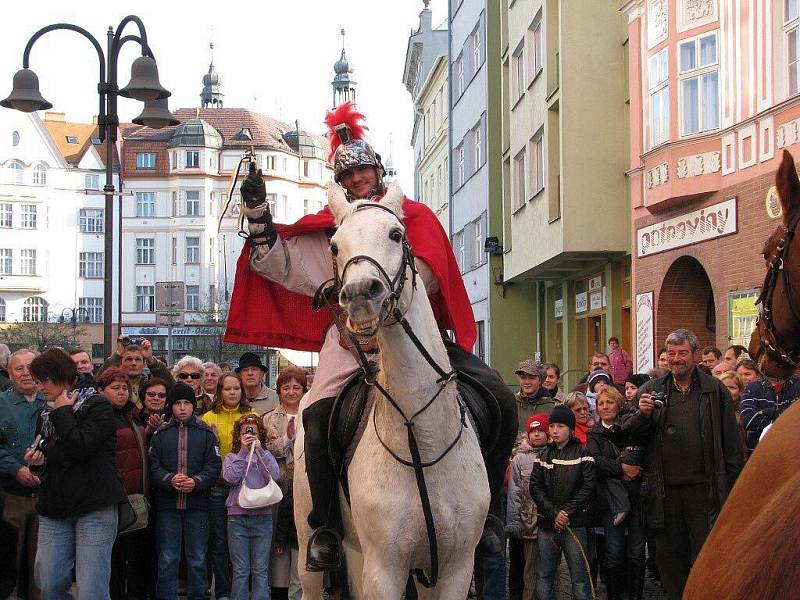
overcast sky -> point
(274, 57)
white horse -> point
(385, 534)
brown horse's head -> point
(786, 325)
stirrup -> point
(316, 561)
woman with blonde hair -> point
(579, 405)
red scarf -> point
(266, 314)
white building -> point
(425, 78)
(51, 225)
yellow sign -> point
(744, 306)
(773, 203)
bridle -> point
(770, 340)
(390, 307)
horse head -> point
(371, 258)
(779, 322)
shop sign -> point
(596, 301)
(644, 332)
(700, 225)
(581, 302)
(595, 283)
(182, 331)
(558, 308)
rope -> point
(585, 562)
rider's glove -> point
(253, 190)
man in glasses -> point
(132, 358)
(189, 370)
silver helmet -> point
(353, 152)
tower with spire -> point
(211, 96)
(344, 86)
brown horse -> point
(752, 552)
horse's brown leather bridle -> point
(770, 340)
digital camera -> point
(659, 398)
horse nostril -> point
(375, 288)
(343, 296)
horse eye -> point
(396, 235)
(334, 249)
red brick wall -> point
(731, 263)
(129, 151)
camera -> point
(127, 341)
(659, 398)
(250, 429)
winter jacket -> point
(760, 406)
(262, 468)
(521, 514)
(155, 368)
(282, 448)
(130, 463)
(722, 447)
(605, 445)
(540, 402)
(80, 474)
(222, 424)
(564, 481)
(5, 382)
(18, 419)
(265, 401)
(621, 365)
(189, 448)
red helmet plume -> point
(346, 115)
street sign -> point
(170, 296)
(174, 318)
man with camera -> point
(132, 355)
(692, 458)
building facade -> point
(425, 78)
(714, 100)
(52, 224)
(564, 193)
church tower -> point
(344, 86)
(211, 96)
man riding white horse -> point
(296, 260)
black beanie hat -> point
(561, 414)
(637, 379)
(180, 391)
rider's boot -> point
(324, 551)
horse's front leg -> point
(382, 577)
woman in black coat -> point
(80, 489)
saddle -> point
(352, 407)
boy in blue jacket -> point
(184, 463)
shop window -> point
(742, 314)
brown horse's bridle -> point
(770, 341)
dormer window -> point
(72, 139)
(244, 134)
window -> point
(34, 310)
(476, 49)
(283, 207)
(2, 310)
(145, 298)
(458, 245)
(460, 162)
(284, 164)
(193, 297)
(211, 253)
(90, 265)
(306, 206)
(72, 139)
(794, 64)
(518, 191)
(700, 89)
(174, 251)
(476, 133)
(5, 261)
(272, 202)
(192, 159)
(16, 173)
(480, 255)
(28, 216)
(91, 220)
(90, 310)
(145, 204)
(6, 212)
(269, 162)
(27, 262)
(460, 75)
(192, 203)
(192, 249)
(536, 165)
(306, 169)
(145, 251)
(480, 345)
(91, 182)
(15, 138)
(534, 49)
(792, 9)
(145, 160)
(40, 175)
(96, 141)
(174, 204)
(517, 75)
(658, 74)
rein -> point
(396, 285)
(770, 341)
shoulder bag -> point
(258, 497)
(134, 514)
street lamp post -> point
(144, 86)
(73, 318)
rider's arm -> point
(300, 264)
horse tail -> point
(762, 560)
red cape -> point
(266, 314)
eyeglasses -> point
(188, 375)
(155, 394)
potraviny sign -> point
(699, 225)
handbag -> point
(258, 497)
(134, 514)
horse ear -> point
(337, 201)
(393, 199)
(788, 186)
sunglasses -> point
(155, 394)
(188, 375)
